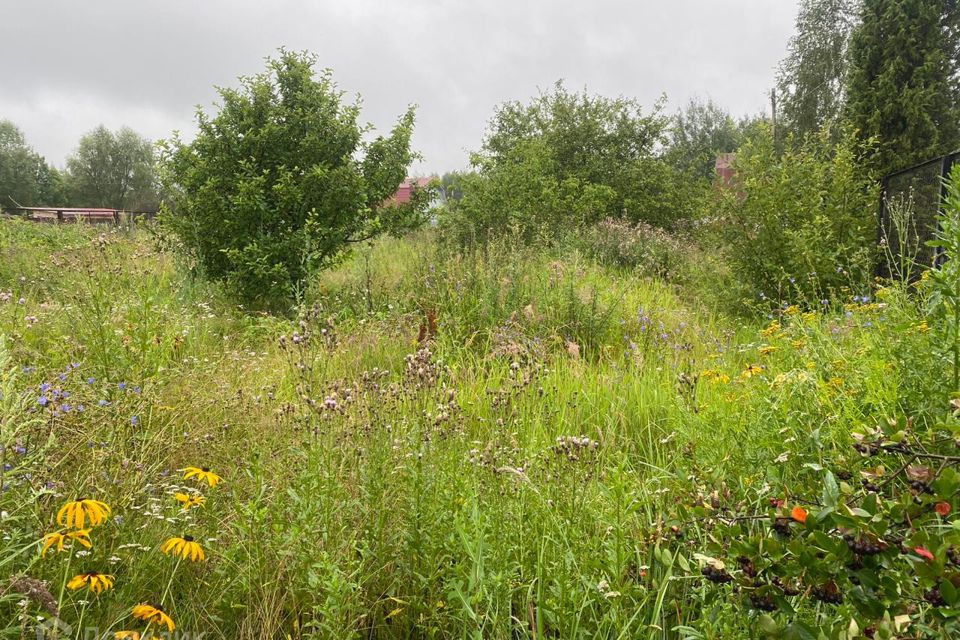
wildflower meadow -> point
(519, 442)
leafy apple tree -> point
(283, 181)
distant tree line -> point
(108, 169)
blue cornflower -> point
(91, 380)
(42, 401)
(134, 420)
(44, 387)
(122, 386)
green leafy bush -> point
(567, 159)
(524, 196)
(281, 182)
(800, 224)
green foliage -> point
(904, 87)
(945, 295)
(25, 177)
(801, 224)
(116, 170)
(699, 132)
(522, 195)
(566, 159)
(810, 81)
(281, 182)
(871, 554)
(444, 444)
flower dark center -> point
(205, 469)
(188, 538)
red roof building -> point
(404, 191)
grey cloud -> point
(68, 66)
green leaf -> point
(831, 492)
(949, 592)
(767, 625)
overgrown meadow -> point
(503, 443)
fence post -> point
(59, 215)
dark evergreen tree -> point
(902, 87)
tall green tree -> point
(583, 139)
(25, 177)
(284, 181)
(811, 79)
(699, 132)
(116, 170)
(903, 84)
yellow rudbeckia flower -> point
(203, 474)
(189, 501)
(126, 635)
(752, 370)
(150, 613)
(75, 514)
(185, 547)
(58, 538)
(94, 581)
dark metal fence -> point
(919, 191)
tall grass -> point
(485, 445)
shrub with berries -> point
(878, 558)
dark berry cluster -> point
(867, 448)
(827, 593)
(953, 556)
(762, 602)
(870, 486)
(782, 526)
(934, 597)
(716, 576)
(862, 546)
(920, 487)
(789, 588)
(747, 566)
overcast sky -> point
(67, 66)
